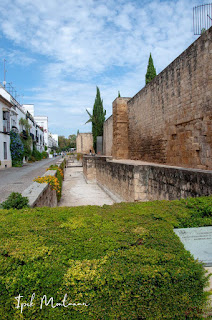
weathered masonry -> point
(84, 142)
(162, 137)
(170, 120)
(132, 180)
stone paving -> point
(18, 179)
(76, 192)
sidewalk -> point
(76, 192)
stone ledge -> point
(41, 194)
(34, 192)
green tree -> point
(151, 71)
(25, 137)
(97, 118)
(63, 143)
(72, 140)
(119, 96)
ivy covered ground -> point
(117, 262)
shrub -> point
(45, 154)
(199, 207)
(36, 154)
(31, 159)
(15, 201)
(124, 260)
(17, 149)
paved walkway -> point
(18, 179)
(76, 192)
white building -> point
(36, 131)
(30, 108)
(42, 121)
(50, 140)
(11, 112)
(5, 155)
(55, 137)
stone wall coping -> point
(138, 163)
(36, 190)
(87, 156)
(50, 173)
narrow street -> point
(18, 179)
(76, 192)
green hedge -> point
(124, 260)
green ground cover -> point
(124, 261)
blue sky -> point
(58, 51)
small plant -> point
(79, 156)
(15, 201)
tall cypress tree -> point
(97, 118)
(151, 71)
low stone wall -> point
(42, 194)
(142, 182)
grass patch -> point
(124, 260)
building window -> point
(6, 121)
(5, 150)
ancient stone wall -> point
(120, 128)
(135, 182)
(84, 142)
(108, 136)
(170, 119)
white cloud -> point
(89, 43)
(16, 57)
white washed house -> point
(5, 155)
(49, 139)
(11, 112)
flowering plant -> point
(17, 149)
(53, 181)
(59, 171)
